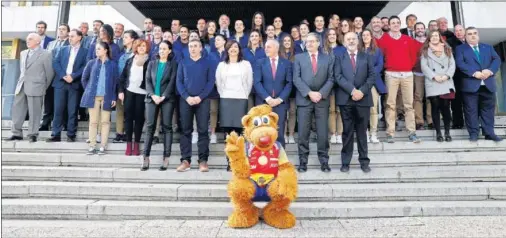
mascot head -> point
(261, 126)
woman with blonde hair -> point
(438, 66)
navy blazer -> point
(468, 64)
(89, 81)
(47, 39)
(378, 68)
(60, 63)
(361, 79)
(243, 40)
(265, 85)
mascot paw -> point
(244, 219)
(281, 219)
(235, 146)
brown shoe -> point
(203, 167)
(184, 166)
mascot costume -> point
(261, 171)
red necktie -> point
(352, 56)
(313, 63)
(273, 67)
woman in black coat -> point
(160, 98)
(132, 91)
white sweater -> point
(234, 80)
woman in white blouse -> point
(234, 80)
(132, 92)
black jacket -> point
(125, 75)
(168, 82)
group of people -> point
(332, 79)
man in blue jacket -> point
(479, 63)
(195, 81)
(68, 64)
(273, 84)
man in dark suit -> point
(456, 104)
(410, 23)
(313, 76)
(54, 46)
(68, 64)
(273, 84)
(479, 63)
(354, 73)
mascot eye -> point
(257, 121)
(265, 119)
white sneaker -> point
(339, 139)
(291, 140)
(374, 139)
(368, 139)
(91, 150)
(195, 137)
(333, 139)
(99, 138)
(286, 140)
(101, 151)
(214, 140)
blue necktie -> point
(477, 53)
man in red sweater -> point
(400, 58)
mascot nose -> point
(265, 140)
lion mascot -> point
(261, 172)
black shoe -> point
(345, 168)
(54, 139)
(440, 138)
(13, 138)
(325, 167)
(365, 168)
(302, 167)
(118, 138)
(44, 128)
(493, 138)
(165, 164)
(420, 127)
(156, 140)
(32, 139)
(430, 126)
(71, 139)
(448, 138)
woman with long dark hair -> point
(258, 23)
(438, 66)
(287, 51)
(132, 91)
(209, 34)
(160, 98)
(100, 83)
(252, 54)
(234, 81)
(106, 34)
(379, 88)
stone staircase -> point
(58, 181)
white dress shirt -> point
(72, 58)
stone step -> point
(458, 173)
(118, 160)
(426, 135)
(218, 149)
(218, 192)
(120, 210)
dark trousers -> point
(81, 110)
(134, 113)
(355, 118)
(440, 106)
(228, 130)
(152, 110)
(186, 115)
(304, 117)
(479, 107)
(281, 110)
(457, 105)
(47, 116)
(65, 110)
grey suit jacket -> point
(305, 81)
(36, 74)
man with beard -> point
(420, 38)
(386, 26)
